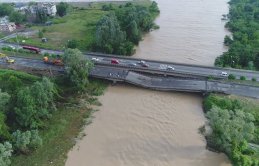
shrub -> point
(46, 54)
(26, 141)
(5, 153)
(254, 79)
(242, 78)
(231, 77)
(40, 34)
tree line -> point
(120, 30)
(244, 43)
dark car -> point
(144, 65)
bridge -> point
(142, 78)
(155, 67)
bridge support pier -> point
(114, 82)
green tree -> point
(154, 7)
(4, 99)
(35, 103)
(40, 34)
(5, 153)
(77, 68)
(24, 142)
(72, 44)
(5, 9)
(133, 33)
(62, 8)
(16, 17)
(228, 127)
(41, 16)
(4, 134)
(108, 34)
(25, 110)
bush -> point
(40, 34)
(242, 78)
(5, 154)
(72, 44)
(20, 50)
(46, 54)
(254, 79)
(25, 142)
(231, 77)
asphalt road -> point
(168, 83)
(159, 67)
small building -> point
(7, 27)
(4, 20)
(49, 8)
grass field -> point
(78, 25)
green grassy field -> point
(78, 25)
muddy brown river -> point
(139, 127)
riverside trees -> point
(234, 125)
(77, 68)
(117, 32)
(243, 46)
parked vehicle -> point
(12, 47)
(2, 55)
(9, 60)
(115, 61)
(56, 61)
(37, 50)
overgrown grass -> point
(25, 78)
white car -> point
(223, 73)
(95, 59)
(166, 67)
(169, 68)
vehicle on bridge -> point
(55, 61)
(35, 49)
(223, 73)
(115, 61)
(143, 63)
(95, 59)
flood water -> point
(139, 127)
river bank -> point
(141, 127)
